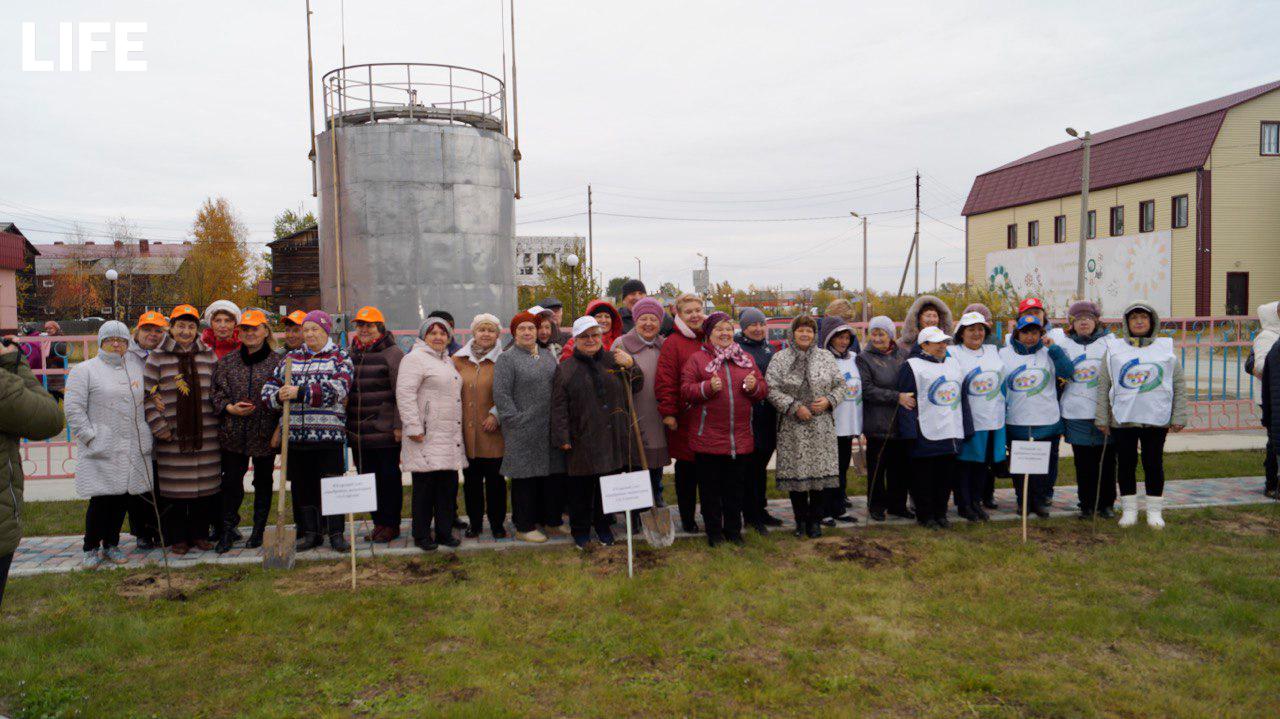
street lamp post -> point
(864, 269)
(571, 260)
(639, 273)
(935, 272)
(112, 276)
(1085, 141)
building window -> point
(1093, 224)
(1033, 233)
(1011, 236)
(1180, 206)
(46, 283)
(1117, 221)
(1237, 293)
(1270, 144)
(1147, 216)
(1060, 229)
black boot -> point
(814, 530)
(309, 529)
(337, 526)
(261, 510)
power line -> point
(548, 219)
(828, 186)
(736, 201)
(948, 224)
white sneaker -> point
(1129, 510)
(533, 536)
(1155, 507)
(92, 559)
(115, 556)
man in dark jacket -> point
(754, 339)
(29, 413)
(590, 422)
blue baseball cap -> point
(1029, 321)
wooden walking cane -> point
(655, 522)
(280, 550)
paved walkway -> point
(44, 555)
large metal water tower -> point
(417, 185)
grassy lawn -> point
(46, 518)
(895, 621)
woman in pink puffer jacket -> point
(429, 398)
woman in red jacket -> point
(721, 382)
(677, 414)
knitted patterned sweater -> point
(323, 379)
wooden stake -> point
(351, 522)
(1025, 480)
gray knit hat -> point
(113, 328)
(750, 316)
(881, 322)
(431, 322)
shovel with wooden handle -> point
(655, 522)
(279, 549)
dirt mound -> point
(613, 560)
(152, 585)
(1080, 536)
(336, 576)
(1244, 524)
(870, 552)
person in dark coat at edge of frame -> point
(30, 413)
(1256, 365)
(590, 422)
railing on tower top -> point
(413, 92)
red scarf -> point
(733, 353)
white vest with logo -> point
(848, 414)
(938, 388)
(983, 381)
(1080, 398)
(1030, 388)
(1142, 382)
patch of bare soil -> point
(153, 585)
(1060, 538)
(1244, 524)
(613, 560)
(334, 576)
(870, 552)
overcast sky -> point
(742, 110)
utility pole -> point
(935, 273)
(311, 106)
(915, 244)
(1085, 140)
(515, 101)
(864, 269)
(639, 273)
(591, 242)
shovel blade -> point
(658, 528)
(279, 548)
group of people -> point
(169, 416)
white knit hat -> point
(221, 306)
(583, 324)
(484, 317)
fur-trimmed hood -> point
(911, 324)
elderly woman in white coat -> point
(429, 398)
(104, 407)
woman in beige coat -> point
(429, 398)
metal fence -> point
(1213, 351)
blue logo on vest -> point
(1029, 380)
(944, 392)
(983, 384)
(1142, 376)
